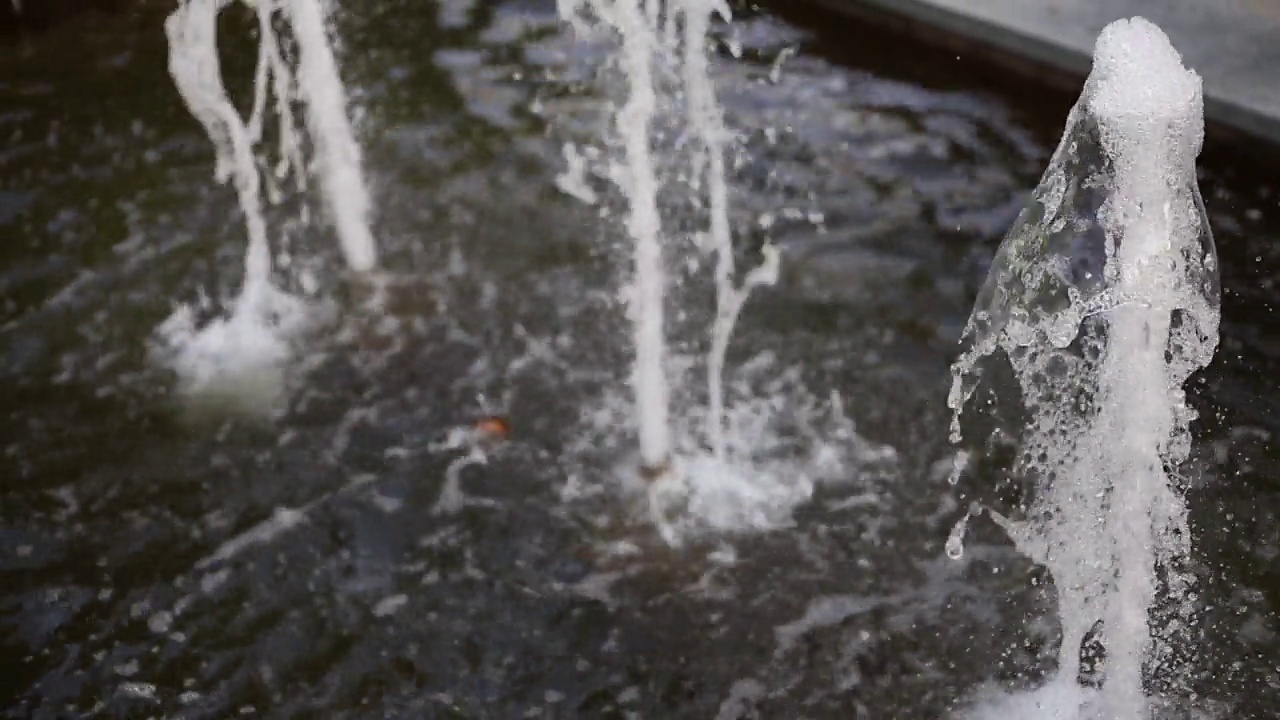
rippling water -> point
(158, 559)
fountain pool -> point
(158, 563)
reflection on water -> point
(158, 562)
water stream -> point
(674, 142)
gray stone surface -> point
(1233, 44)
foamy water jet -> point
(238, 357)
(719, 480)
(1103, 300)
(640, 47)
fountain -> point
(666, 41)
(1103, 300)
(239, 357)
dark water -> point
(157, 561)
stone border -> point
(1233, 44)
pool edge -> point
(1059, 65)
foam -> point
(1057, 701)
(1139, 85)
(236, 363)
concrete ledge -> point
(1233, 44)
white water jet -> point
(718, 468)
(192, 31)
(661, 39)
(337, 152)
(638, 179)
(239, 358)
(1103, 300)
(706, 125)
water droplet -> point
(955, 541)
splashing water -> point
(239, 357)
(667, 42)
(1103, 300)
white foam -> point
(719, 496)
(235, 363)
(766, 470)
(1069, 701)
(1141, 72)
(1055, 701)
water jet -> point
(255, 336)
(1103, 300)
(662, 55)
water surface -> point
(164, 560)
